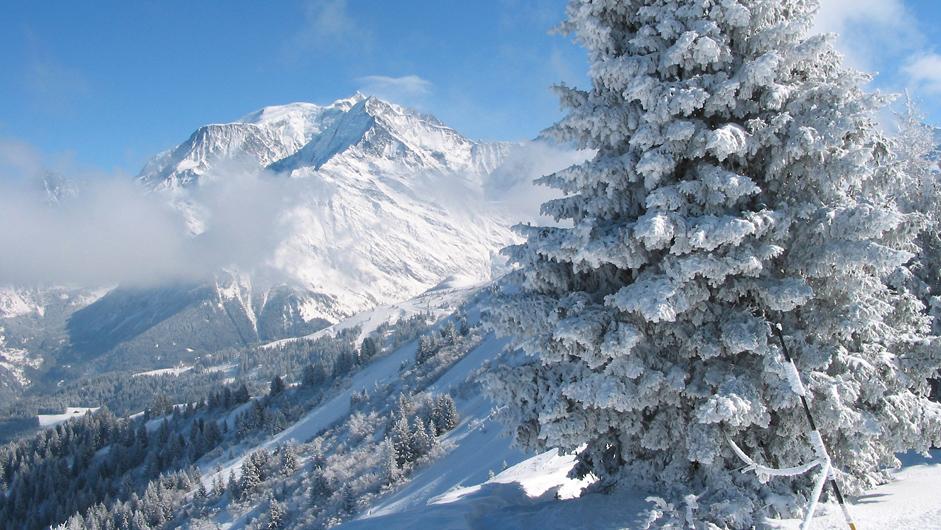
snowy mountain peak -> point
(256, 139)
(377, 132)
(210, 144)
(300, 121)
(57, 188)
(385, 201)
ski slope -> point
(911, 501)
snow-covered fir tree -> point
(913, 183)
(444, 413)
(401, 438)
(277, 515)
(422, 442)
(738, 183)
(389, 460)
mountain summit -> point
(377, 131)
(257, 139)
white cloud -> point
(872, 34)
(884, 37)
(329, 18)
(407, 90)
(107, 230)
(924, 73)
(511, 185)
(835, 15)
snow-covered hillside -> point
(536, 493)
(476, 478)
(32, 322)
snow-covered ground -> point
(536, 493)
(16, 361)
(439, 301)
(51, 420)
(16, 302)
(913, 500)
(164, 371)
(454, 492)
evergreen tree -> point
(421, 442)
(347, 499)
(915, 158)
(736, 186)
(426, 348)
(315, 375)
(232, 486)
(277, 386)
(201, 493)
(451, 334)
(431, 432)
(218, 488)
(402, 440)
(444, 413)
(344, 363)
(277, 515)
(389, 460)
(288, 458)
(319, 487)
(317, 460)
(241, 395)
(368, 349)
(161, 406)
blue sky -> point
(107, 84)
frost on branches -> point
(740, 181)
(914, 182)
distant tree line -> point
(68, 468)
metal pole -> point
(818, 443)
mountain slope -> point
(32, 330)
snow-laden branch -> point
(765, 471)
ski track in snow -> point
(163, 371)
